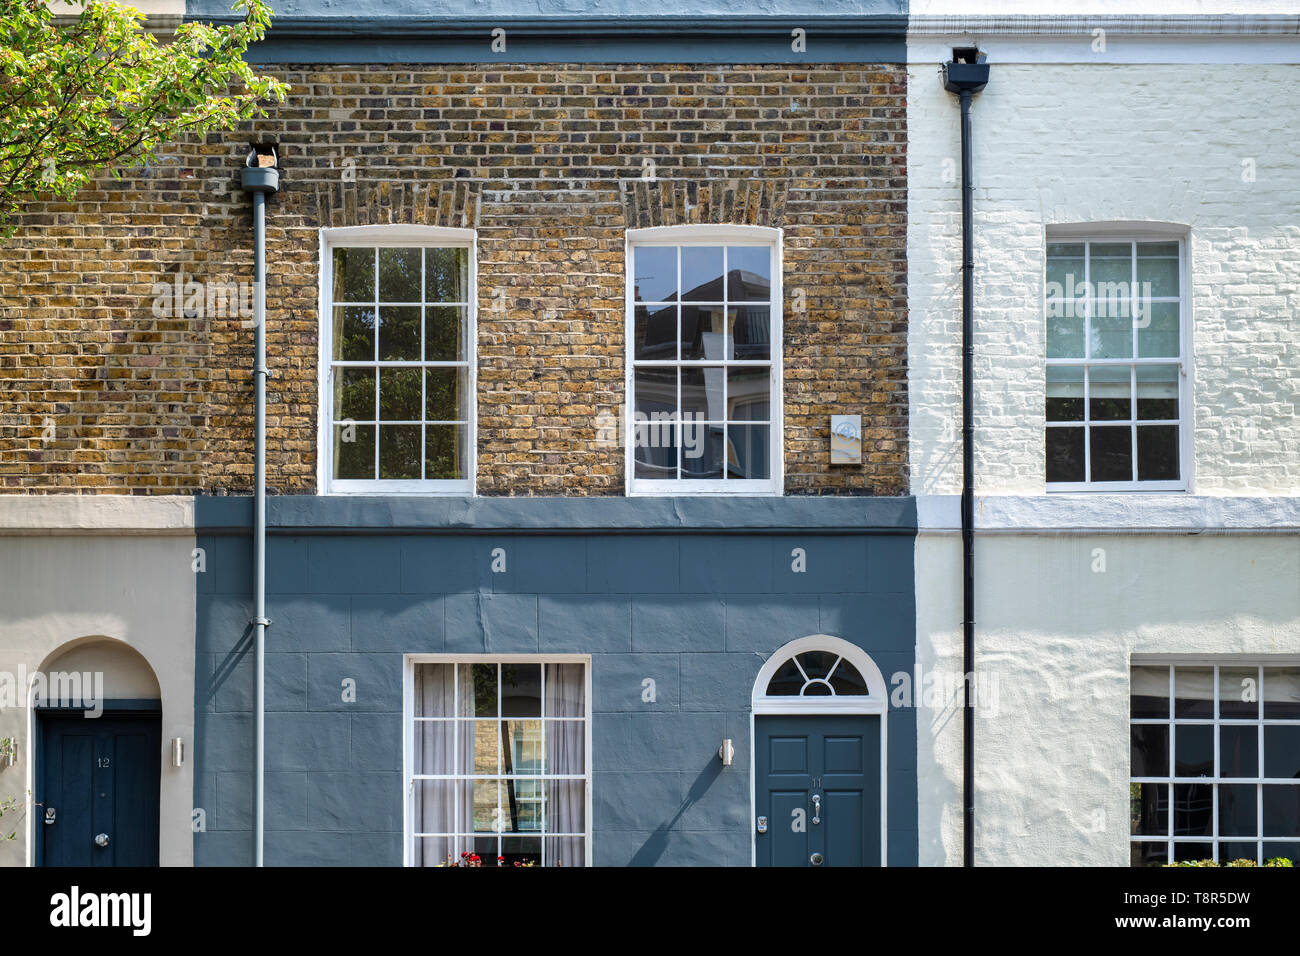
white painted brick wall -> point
(1082, 142)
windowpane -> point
(1065, 329)
(702, 451)
(1157, 266)
(1239, 692)
(1193, 750)
(1194, 813)
(1112, 454)
(1157, 392)
(399, 452)
(1149, 754)
(1157, 330)
(702, 394)
(750, 328)
(487, 746)
(1149, 809)
(1157, 452)
(1064, 268)
(1193, 691)
(399, 333)
(565, 851)
(747, 394)
(1149, 693)
(749, 273)
(445, 452)
(354, 275)
(655, 333)
(749, 451)
(1281, 810)
(1148, 854)
(354, 451)
(1286, 851)
(354, 394)
(446, 275)
(399, 394)
(521, 690)
(1281, 693)
(654, 273)
(565, 690)
(847, 680)
(704, 332)
(1109, 393)
(354, 333)
(1064, 393)
(1282, 751)
(1111, 324)
(657, 447)
(521, 745)
(1238, 751)
(1065, 454)
(702, 273)
(478, 690)
(445, 394)
(1193, 851)
(817, 664)
(445, 333)
(1238, 813)
(399, 275)
(656, 393)
(786, 682)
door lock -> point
(101, 839)
(817, 808)
(816, 859)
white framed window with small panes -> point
(497, 760)
(1215, 760)
(1118, 415)
(703, 413)
(397, 366)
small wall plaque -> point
(846, 439)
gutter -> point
(259, 180)
(966, 74)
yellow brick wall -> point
(546, 163)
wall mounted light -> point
(8, 751)
(727, 752)
(178, 751)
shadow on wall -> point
(654, 847)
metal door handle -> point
(101, 839)
(816, 859)
(817, 808)
(50, 814)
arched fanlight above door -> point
(820, 673)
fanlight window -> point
(817, 674)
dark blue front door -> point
(100, 777)
(817, 783)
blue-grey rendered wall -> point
(693, 593)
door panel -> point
(817, 781)
(101, 776)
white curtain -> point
(434, 688)
(565, 743)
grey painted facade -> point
(693, 593)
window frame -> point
(392, 237)
(409, 662)
(707, 235)
(1115, 233)
(1261, 663)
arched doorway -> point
(97, 715)
(819, 707)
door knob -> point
(101, 839)
(50, 814)
(816, 859)
(817, 808)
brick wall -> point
(102, 395)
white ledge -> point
(95, 514)
(1113, 513)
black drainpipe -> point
(966, 75)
